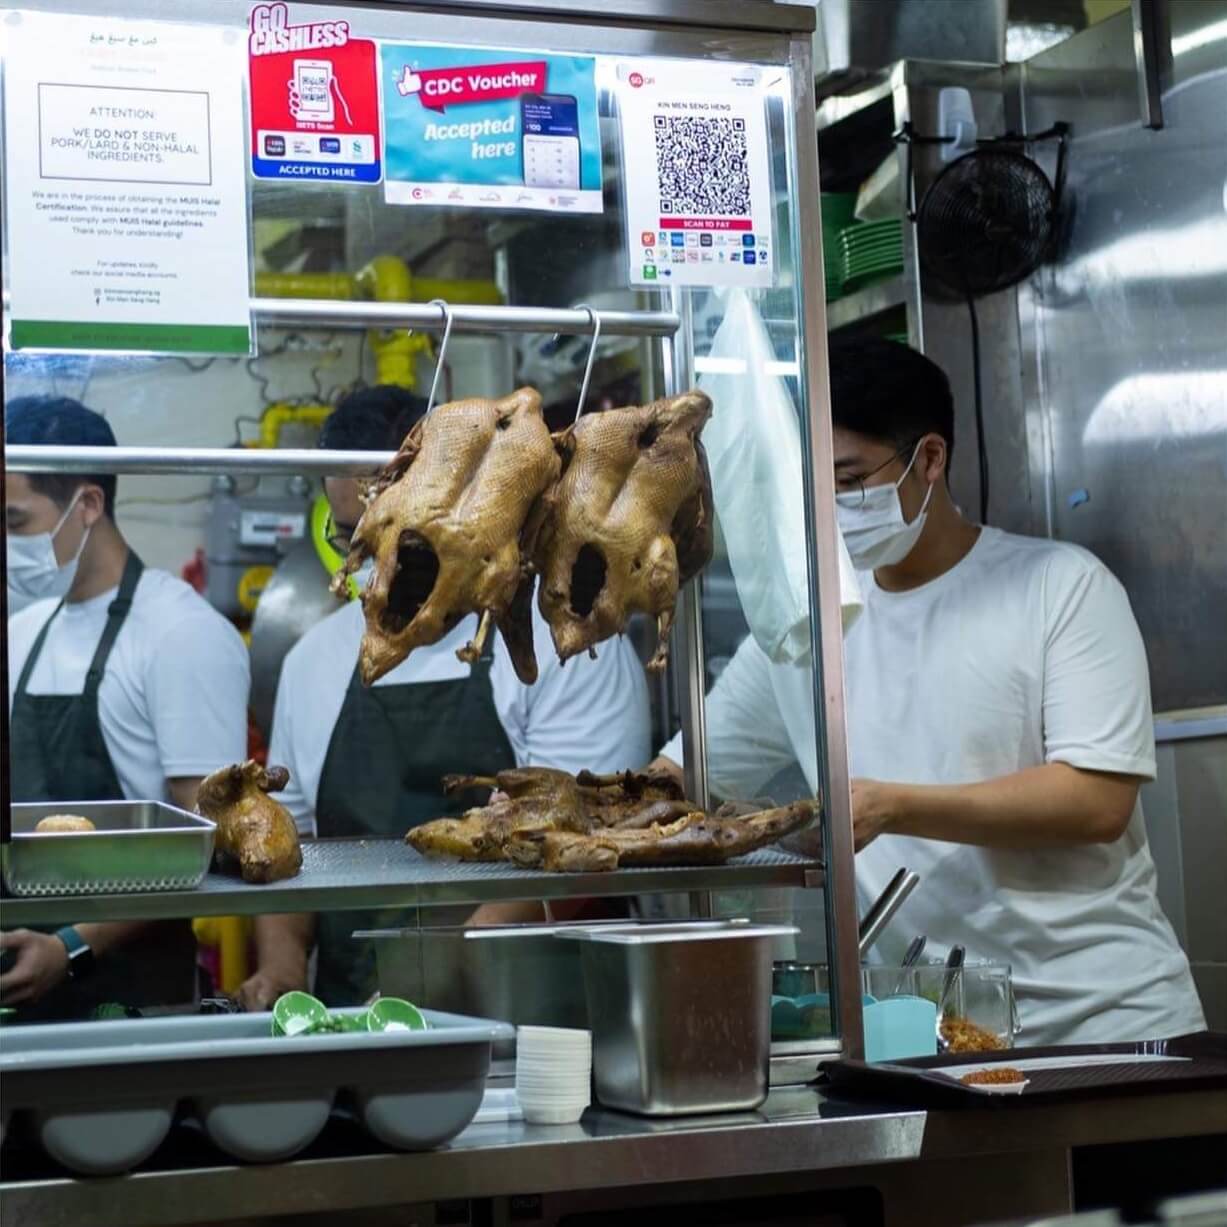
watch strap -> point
(80, 954)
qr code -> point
(702, 166)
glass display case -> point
(415, 272)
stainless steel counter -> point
(798, 1131)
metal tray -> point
(136, 846)
(1068, 1072)
(102, 1096)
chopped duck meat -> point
(695, 839)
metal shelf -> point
(872, 300)
(343, 874)
(196, 461)
(431, 317)
(837, 107)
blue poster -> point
(490, 129)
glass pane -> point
(238, 539)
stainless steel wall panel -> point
(1201, 789)
(1161, 808)
(1130, 335)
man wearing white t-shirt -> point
(123, 683)
(369, 761)
(999, 727)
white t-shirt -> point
(590, 713)
(173, 701)
(1026, 652)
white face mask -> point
(33, 572)
(874, 529)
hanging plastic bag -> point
(753, 443)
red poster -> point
(314, 100)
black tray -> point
(918, 1082)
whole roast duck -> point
(443, 524)
(254, 830)
(626, 524)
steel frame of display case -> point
(682, 29)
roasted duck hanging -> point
(628, 521)
(443, 524)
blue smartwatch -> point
(80, 954)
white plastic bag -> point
(753, 443)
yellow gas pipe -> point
(384, 279)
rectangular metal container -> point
(136, 846)
(513, 972)
(681, 1014)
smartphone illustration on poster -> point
(549, 125)
(313, 86)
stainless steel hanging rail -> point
(330, 313)
(200, 461)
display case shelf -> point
(346, 874)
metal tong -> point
(884, 908)
(954, 967)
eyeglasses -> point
(856, 485)
(339, 536)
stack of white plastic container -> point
(553, 1074)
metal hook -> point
(595, 320)
(447, 334)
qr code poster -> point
(696, 174)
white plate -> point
(993, 1088)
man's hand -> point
(283, 947)
(183, 789)
(41, 965)
(874, 809)
(261, 990)
(661, 765)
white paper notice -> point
(697, 175)
(125, 185)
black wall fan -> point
(987, 222)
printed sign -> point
(124, 189)
(490, 129)
(314, 100)
(698, 188)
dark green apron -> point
(57, 753)
(389, 750)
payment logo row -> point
(704, 238)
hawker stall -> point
(418, 439)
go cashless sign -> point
(314, 100)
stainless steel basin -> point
(681, 1014)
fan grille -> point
(986, 222)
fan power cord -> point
(981, 449)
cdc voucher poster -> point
(490, 129)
